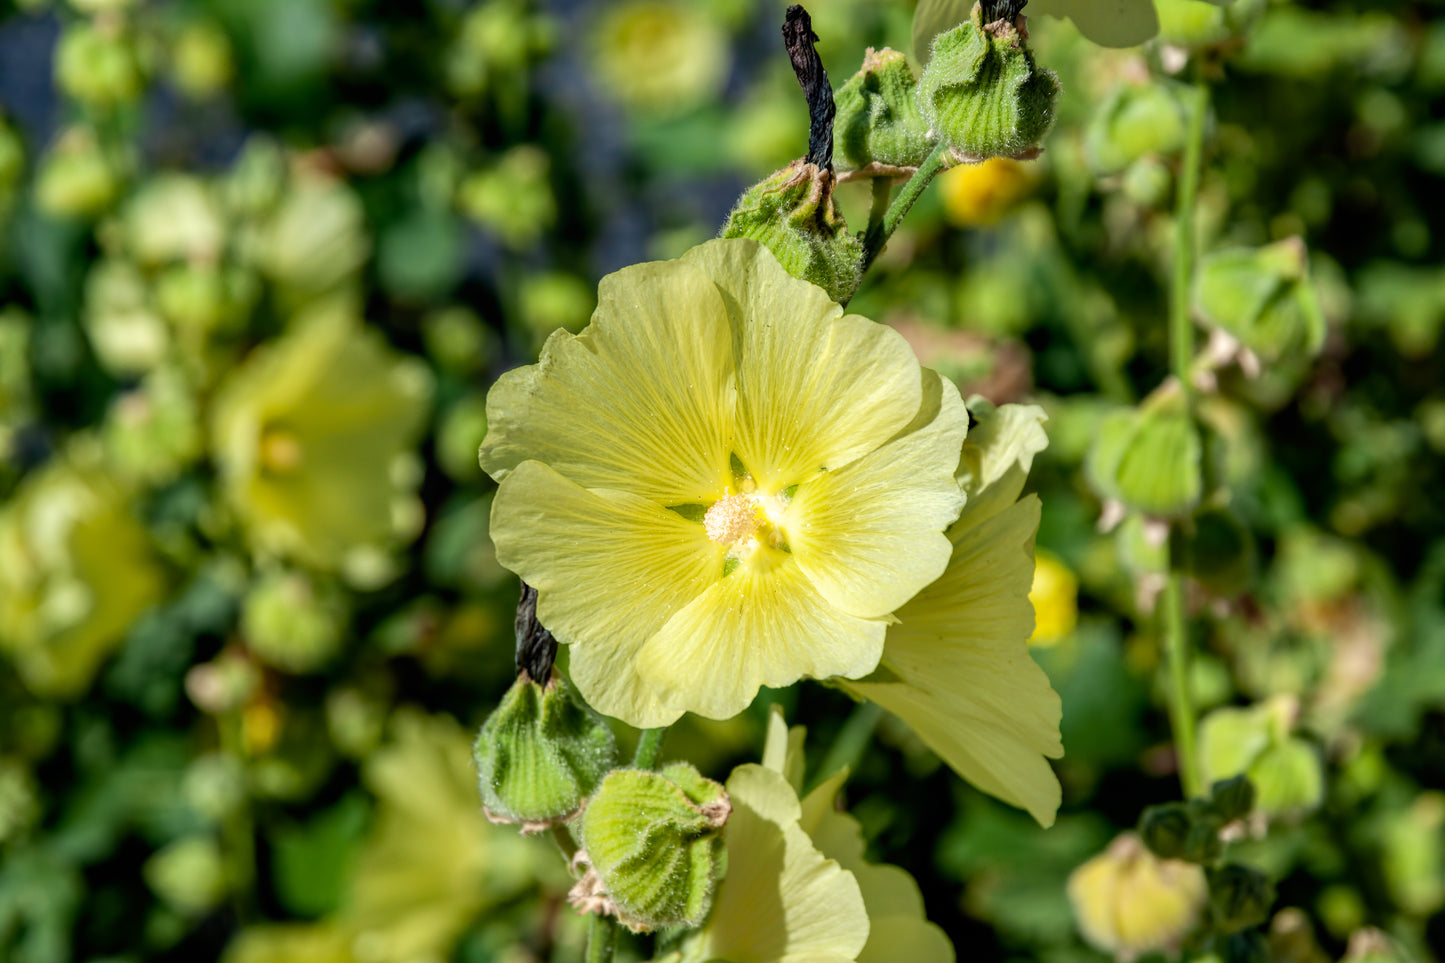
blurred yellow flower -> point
(76, 569)
(1055, 598)
(660, 56)
(432, 861)
(956, 665)
(1128, 902)
(977, 195)
(322, 942)
(312, 437)
(723, 483)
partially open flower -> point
(723, 483)
(956, 665)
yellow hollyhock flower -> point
(898, 929)
(1055, 598)
(1128, 902)
(313, 438)
(956, 666)
(724, 482)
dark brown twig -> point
(798, 37)
(536, 649)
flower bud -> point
(878, 127)
(654, 843)
(1218, 552)
(1262, 298)
(540, 754)
(1232, 799)
(1136, 121)
(76, 179)
(792, 213)
(1239, 896)
(1149, 458)
(1165, 829)
(189, 875)
(97, 65)
(1128, 902)
(982, 92)
(293, 622)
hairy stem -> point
(913, 188)
(601, 940)
(649, 748)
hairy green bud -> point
(983, 94)
(540, 754)
(653, 841)
(792, 213)
(878, 131)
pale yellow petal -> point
(1003, 443)
(782, 901)
(640, 401)
(965, 680)
(871, 533)
(749, 630)
(783, 749)
(610, 569)
(816, 388)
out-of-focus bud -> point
(1147, 182)
(1292, 938)
(128, 335)
(1285, 770)
(793, 214)
(1165, 829)
(513, 197)
(540, 754)
(878, 129)
(224, 684)
(653, 841)
(153, 432)
(1262, 297)
(215, 785)
(1128, 902)
(205, 297)
(316, 239)
(458, 341)
(356, 719)
(1413, 855)
(173, 217)
(1239, 897)
(189, 875)
(983, 94)
(293, 621)
(76, 179)
(1232, 799)
(1149, 458)
(201, 61)
(1136, 121)
(96, 64)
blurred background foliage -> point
(260, 260)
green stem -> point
(649, 748)
(1181, 333)
(913, 189)
(601, 940)
(1181, 703)
(851, 742)
(1181, 359)
(882, 193)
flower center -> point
(731, 519)
(751, 525)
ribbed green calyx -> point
(1262, 297)
(654, 842)
(540, 754)
(878, 128)
(792, 213)
(983, 94)
(1148, 459)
